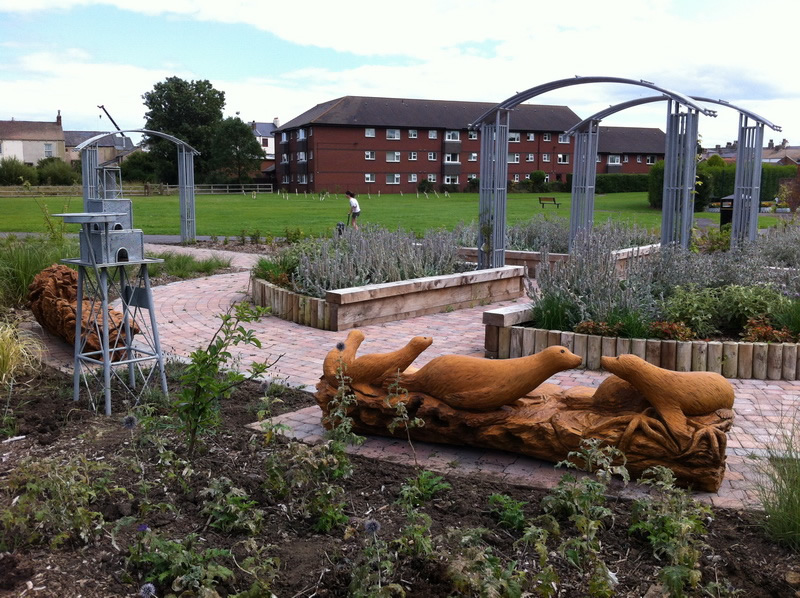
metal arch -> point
(517, 99)
(186, 154)
(97, 138)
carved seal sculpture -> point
(479, 384)
(341, 356)
(674, 395)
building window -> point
(651, 159)
(412, 156)
(285, 179)
(412, 178)
(625, 158)
(531, 136)
(310, 155)
(392, 179)
(369, 178)
(516, 178)
(369, 132)
(392, 156)
(1, 148)
(302, 179)
(432, 178)
(284, 158)
(563, 138)
(452, 158)
(310, 133)
(369, 155)
(451, 179)
(546, 137)
(639, 159)
(513, 137)
(472, 135)
(432, 156)
(311, 177)
(527, 177)
(412, 133)
(513, 158)
(452, 135)
(301, 156)
(392, 133)
(284, 137)
(472, 176)
(563, 158)
(613, 158)
(301, 134)
(48, 150)
(432, 134)
(530, 158)
(545, 157)
(598, 159)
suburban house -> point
(390, 145)
(109, 149)
(265, 135)
(629, 150)
(782, 153)
(31, 141)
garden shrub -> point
(622, 183)
(14, 172)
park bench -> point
(549, 200)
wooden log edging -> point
(759, 361)
(378, 303)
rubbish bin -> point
(725, 215)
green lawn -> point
(270, 214)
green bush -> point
(14, 172)
(53, 171)
(537, 181)
(622, 183)
(655, 185)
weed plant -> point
(21, 259)
(778, 485)
(182, 265)
(421, 489)
(229, 508)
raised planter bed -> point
(506, 337)
(378, 303)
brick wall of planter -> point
(506, 337)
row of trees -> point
(49, 171)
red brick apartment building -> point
(389, 145)
(629, 150)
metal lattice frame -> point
(493, 190)
(584, 175)
(494, 161)
(680, 163)
(186, 154)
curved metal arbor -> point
(748, 172)
(494, 126)
(93, 182)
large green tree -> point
(237, 153)
(190, 111)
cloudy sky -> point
(278, 59)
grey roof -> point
(263, 129)
(28, 130)
(75, 138)
(440, 114)
(631, 140)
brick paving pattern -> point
(187, 314)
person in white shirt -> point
(355, 209)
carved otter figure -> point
(674, 395)
(341, 356)
(482, 384)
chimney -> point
(58, 118)
(784, 143)
(771, 144)
(253, 125)
(276, 121)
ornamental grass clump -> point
(370, 255)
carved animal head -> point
(562, 357)
(623, 364)
(420, 343)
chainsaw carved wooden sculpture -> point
(53, 297)
(655, 416)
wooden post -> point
(745, 369)
(789, 369)
(568, 340)
(760, 351)
(553, 337)
(540, 340)
(608, 346)
(714, 357)
(515, 344)
(730, 359)
(594, 350)
(528, 341)
(639, 347)
(669, 354)
(580, 347)
(490, 338)
(623, 346)
(653, 352)
(774, 361)
(699, 356)
(683, 356)
(504, 343)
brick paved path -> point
(187, 315)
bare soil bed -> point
(165, 496)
